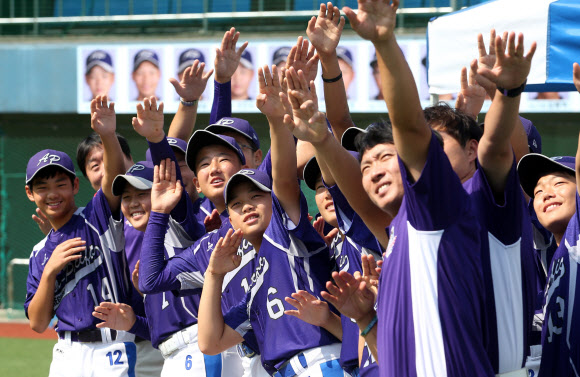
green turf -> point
(25, 357)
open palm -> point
(375, 20)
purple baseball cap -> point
(145, 56)
(139, 176)
(99, 58)
(48, 157)
(534, 166)
(257, 177)
(312, 172)
(203, 138)
(238, 125)
(281, 55)
(347, 139)
(344, 54)
(175, 143)
(187, 58)
(246, 59)
(534, 138)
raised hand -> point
(42, 221)
(306, 123)
(227, 58)
(115, 316)
(167, 190)
(302, 58)
(371, 272)
(325, 30)
(224, 257)
(212, 221)
(308, 308)
(375, 20)
(511, 67)
(64, 253)
(576, 71)
(472, 95)
(193, 82)
(103, 117)
(268, 100)
(350, 296)
(319, 226)
(149, 120)
(487, 60)
(135, 277)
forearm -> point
(222, 101)
(183, 122)
(371, 337)
(113, 162)
(335, 97)
(141, 328)
(211, 325)
(40, 310)
(519, 139)
(334, 325)
(327, 177)
(578, 165)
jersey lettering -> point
(275, 306)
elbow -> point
(145, 287)
(38, 327)
(207, 348)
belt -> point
(514, 373)
(86, 336)
(178, 340)
(245, 351)
(287, 370)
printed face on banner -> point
(146, 74)
(99, 73)
(184, 57)
(244, 83)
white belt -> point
(178, 340)
(514, 373)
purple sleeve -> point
(141, 328)
(237, 318)
(222, 101)
(266, 165)
(34, 274)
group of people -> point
(442, 247)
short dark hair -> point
(379, 132)
(49, 172)
(93, 140)
(455, 122)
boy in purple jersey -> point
(81, 262)
(553, 185)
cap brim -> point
(534, 166)
(121, 180)
(236, 178)
(51, 164)
(139, 62)
(311, 173)
(203, 138)
(220, 128)
(246, 63)
(347, 139)
(107, 67)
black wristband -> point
(332, 80)
(513, 92)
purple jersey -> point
(509, 269)
(348, 258)
(561, 331)
(431, 292)
(133, 239)
(291, 258)
(101, 274)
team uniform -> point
(101, 274)
(431, 289)
(348, 258)
(292, 257)
(509, 270)
(561, 331)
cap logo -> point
(172, 141)
(246, 172)
(50, 158)
(192, 54)
(557, 158)
(226, 121)
(135, 168)
(146, 54)
(98, 55)
(534, 143)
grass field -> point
(25, 357)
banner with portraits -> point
(130, 72)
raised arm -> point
(576, 71)
(376, 21)
(190, 89)
(510, 71)
(104, 122)
(472, 95)
(324, 33)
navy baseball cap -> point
(145, 56)
(246, 59)
(203, 138)
(187, 58)
(99, 58)
(344, 54)
(139, 176)
(238, 125)
(347, 139)
(281, 55)
(534, 138)
(534, 166)
(46, 158)
(312, 172)
(175, 143)
(257, 177)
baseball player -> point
(99, 73)
(81, 261)
(242, 77)
(187, 58)
(146, 73)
